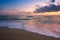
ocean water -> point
(12, 24)
(45, 26)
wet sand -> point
(19, 34)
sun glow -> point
(52, 13)
(48, 13)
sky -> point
(24, 5)
(18, 4)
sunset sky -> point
(10, 6)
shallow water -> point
(46, 26)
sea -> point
(44, 25)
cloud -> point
(13, 12)
(48, 8)
(7, 12)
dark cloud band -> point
(50, 8)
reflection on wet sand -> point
(46, 25)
